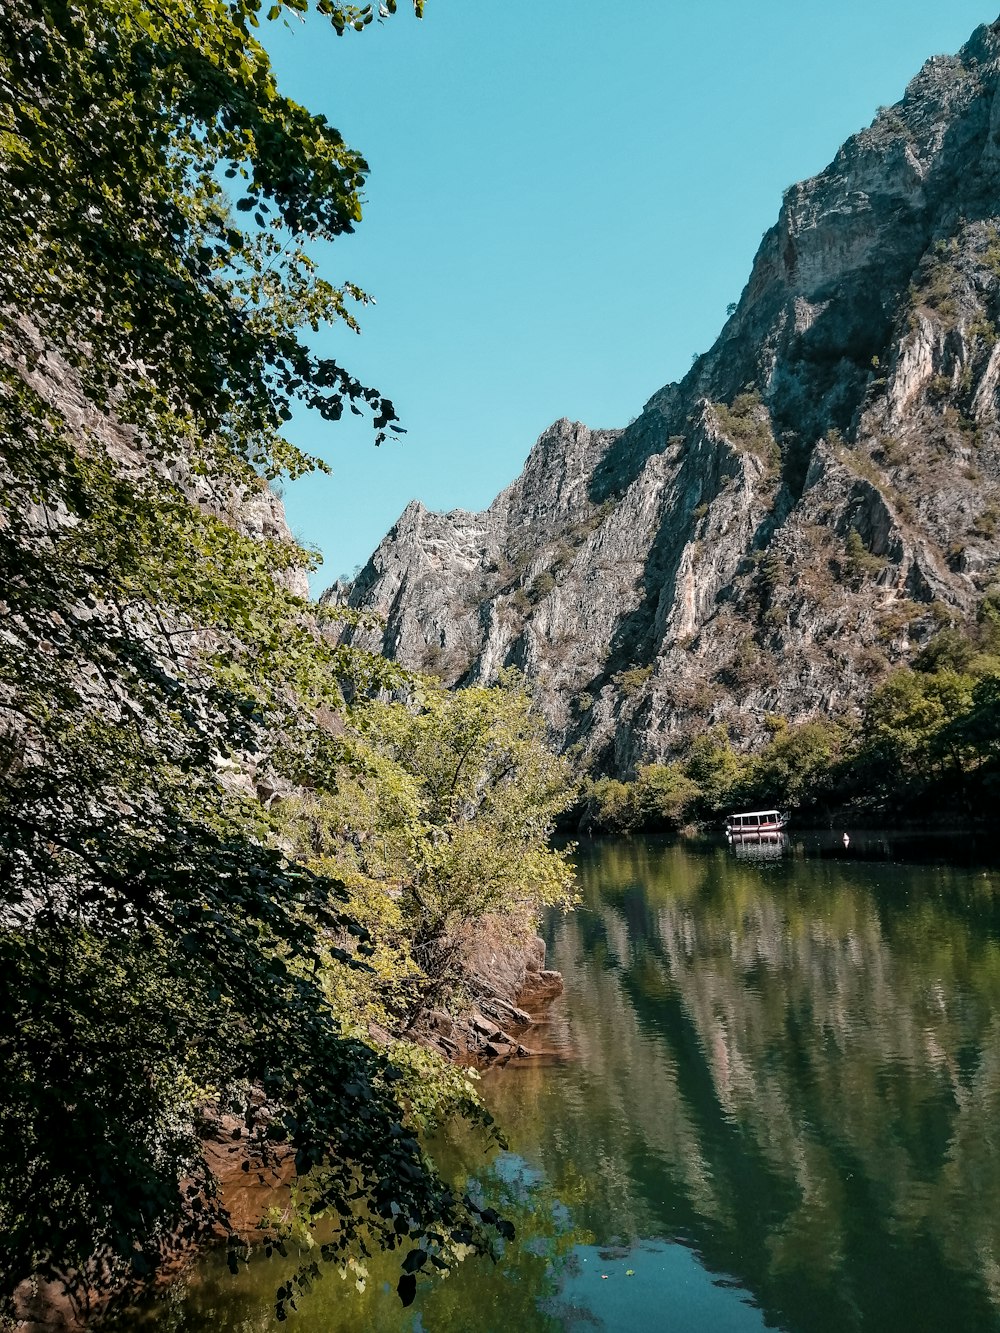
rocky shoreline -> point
(508, 989)
(507, 985)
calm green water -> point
(773, 1101)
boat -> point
(755, 823)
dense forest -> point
(926, 746)
(237, 859)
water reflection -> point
(759, 846)
(800, 1060)
(775, 1103)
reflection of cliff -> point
(799, 1067)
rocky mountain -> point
(817, 496)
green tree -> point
(163, 203)
(800, 765)
(913, 738)
(439, 821)
(975, 734)
(717, 770)
(859, 563)
(158, 947)
(609, 806)
(950, 649)
(666, 795)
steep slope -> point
(257, 512)
(818, 494)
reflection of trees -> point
(799, 1065)
(491, 1298)
(796, 1066)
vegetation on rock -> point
(927, 743)
(161, 944)
(436, 818)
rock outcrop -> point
(820, 492)
(507, 988)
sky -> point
(564, 197)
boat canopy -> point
(756, 817)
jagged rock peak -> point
(819, 493)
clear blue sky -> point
(564, 197)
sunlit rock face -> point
(700, 566)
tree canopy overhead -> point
(159, 946)
(164, 200)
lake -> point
(771, 1099)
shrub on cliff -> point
(801, 767)
(438, 817)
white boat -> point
(753, 823)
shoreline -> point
(509, 989)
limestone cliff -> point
(818, 494)
(256, 512)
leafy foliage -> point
(163, 199)
(160, 949)
(663, 797)
(438, 818)
(858, 563)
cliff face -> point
(819, 493)
(256, 512)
